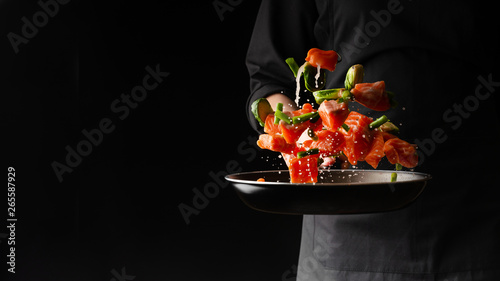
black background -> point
(117, 210)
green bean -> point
(399, 167)
(279, 107)
(377, 123)
(293, 65)
(311, 151)
(282, 116)
(304, 117)
(394, 177)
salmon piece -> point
(275, 143)
(326, 59)
(376, 152)
(399, 151)
(333, 114)
(328, 161)
(328, 143)
(359, 137)
(372, 95)
(306, 108)
(388, 136)
(292, 132)
(288, 158)
(304, 170)
(270, 127)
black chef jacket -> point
(439, 58)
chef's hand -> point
(288, 104)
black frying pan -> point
(337, 191)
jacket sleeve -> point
(283, 29)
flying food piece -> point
(334, 131)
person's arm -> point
(283, 29)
